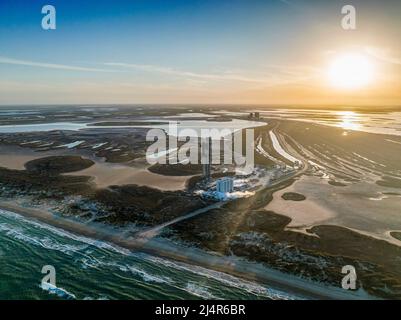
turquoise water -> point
(89, 269)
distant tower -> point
(206, 159)
(225, 185)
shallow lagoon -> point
(196, 125)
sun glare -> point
(349, 120)
(350, 71)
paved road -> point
(154, 231)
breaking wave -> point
(225, 278)
(45, 242)
(60, 292)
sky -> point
(196, 51)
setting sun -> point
(350, 71)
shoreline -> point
(164, 248)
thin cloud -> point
(11, 61)
(187, 74)
(383, 55)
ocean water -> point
(90, 269)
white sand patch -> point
(72, 144)
(97, 146)
(280, 150)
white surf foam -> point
(199, 291)
(66, 234)
(44, 242)
(60, 292)
(227, 279)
